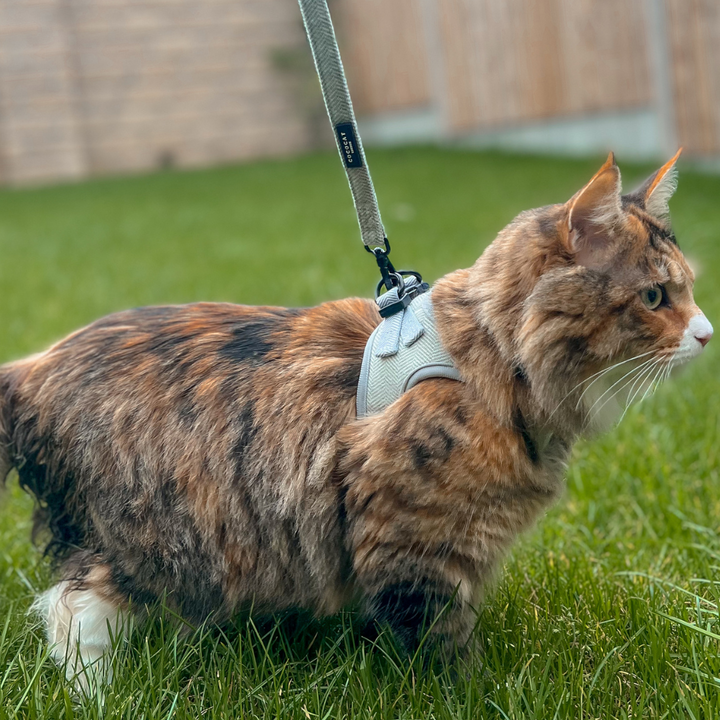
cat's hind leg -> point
(82, 615)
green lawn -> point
(608, 609)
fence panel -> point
(694, 29)
(501, 61)
(385, 50)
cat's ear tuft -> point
(594, 214)
(656, 191)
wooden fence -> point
(101, 86)
(695, 52)
(484, 64)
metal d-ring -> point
(378, 249)
(396, 281)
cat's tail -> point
(23, 449)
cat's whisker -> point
(594, 377)
(665, 372)
(600, 374)
(654, 385)
(627, 377)
(589, 415)
(662, 367)
(659, 373)
(633, 392)
(663, 377)
(613, 366)
(651, 387)
(669, 370)
(621, 379)
(643, 364)
(646, 378)
(670, 366)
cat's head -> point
(600, 283)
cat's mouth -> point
(609, 396)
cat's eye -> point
(652, 297)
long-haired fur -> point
(209, 454)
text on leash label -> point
(348, 145)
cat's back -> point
(196, 347)
(193, 369)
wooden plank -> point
(383, 47)
(134, 81)
(39, 125)
(178, 79)
(694, 27)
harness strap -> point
(328, 64)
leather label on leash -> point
(348, 145)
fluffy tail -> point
(39, 473)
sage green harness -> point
(404, 350)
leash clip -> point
(390, 277)
(393, 279)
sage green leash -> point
(328, 64)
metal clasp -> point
(390, 277)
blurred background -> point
(97, 87)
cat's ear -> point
(594, 214)
(655, 193)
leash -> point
(405, 348)
(321, 35)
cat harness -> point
(404, 349)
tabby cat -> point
(210, 454)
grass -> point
(608, 609)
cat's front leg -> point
(412, 505)
(423, 613)
(436, 489)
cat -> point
(210, 454)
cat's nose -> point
(701, 329)
(704, 339)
